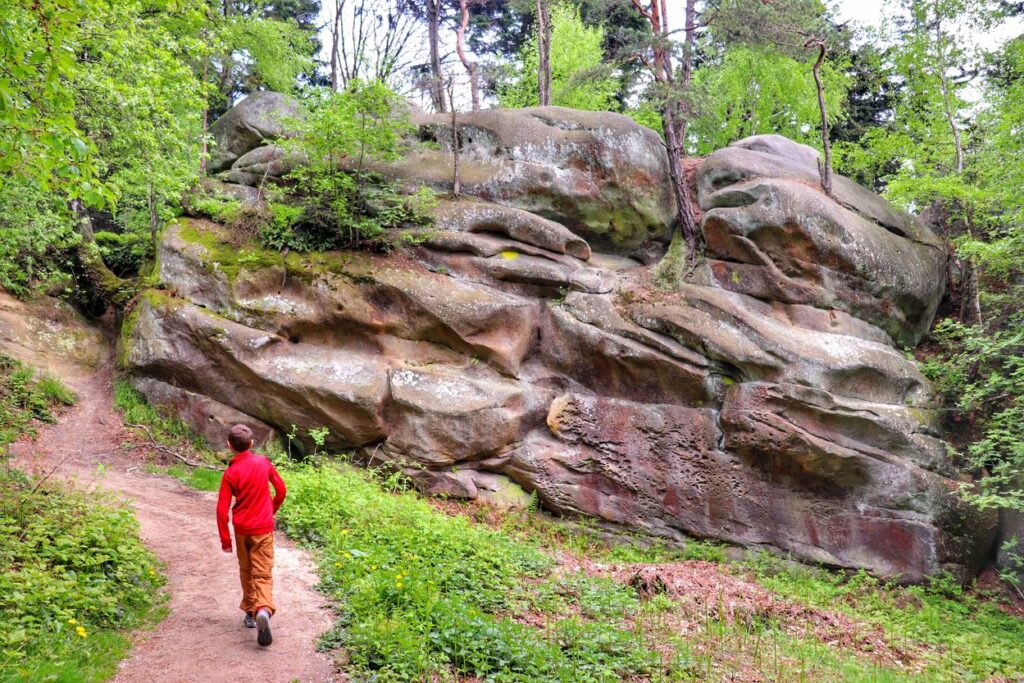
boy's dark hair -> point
(240, 438)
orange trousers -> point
(255, 568)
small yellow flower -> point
(152, 572)
(337, 564)
(81, 631)
(72, 621)
(350, 555)
(398, 585)
(344, 532)
(373, 567)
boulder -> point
(773, 156)
(783, 240)
(600, 175)
(261, 116)
(517, 349)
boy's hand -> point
(226, 548)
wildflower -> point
(399, 585)
(350, 555)
(337, 564)
(72, 621)
(152, 572)
(373, 567)
(344, 532)
(81, 631)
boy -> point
(246, 479)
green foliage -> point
(26, 397)
(343, 203)
(75, 576)
(36, 239)
(980, 374)
(756, 90)
(420, 590)
(269, 53)
(125, 253)
(579, 77)
(40, 141)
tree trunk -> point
(544, 54)
(108, 286)
(947, 100)
(154, 218)
(673, 114)
(225, 69)
(335, 28)
(824, 167)
(460, 47)
(204, 144)
(456, 165)
(436, 86)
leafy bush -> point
(36, 239)
(24, 398)
(123, 252)
(979, 378)
(344, 203)
(75, 575)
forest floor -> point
(202, 638)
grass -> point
(197, 478)
(166, 430)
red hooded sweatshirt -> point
(253, 513)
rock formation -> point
(764, 401)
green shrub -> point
(124, 253)
(25, 398)
(75, 575)
(218, 210)
(346, 205)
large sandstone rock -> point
(598, 174)
(764, 401)
(259, 117)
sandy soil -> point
(202, 639)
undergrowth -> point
(166, 430)
(75, 577)
(424, 594)
(26, 398)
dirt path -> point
(202, 640)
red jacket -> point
(253, 513)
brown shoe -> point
(263, 636)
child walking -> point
(246, 480)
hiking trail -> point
(202, 639)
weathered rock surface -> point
(763, 402)
(260, 116)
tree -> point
(371, 41)
(543, 53)
(671, 102)
(579, 79)
(756, 90)
(470, 66)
